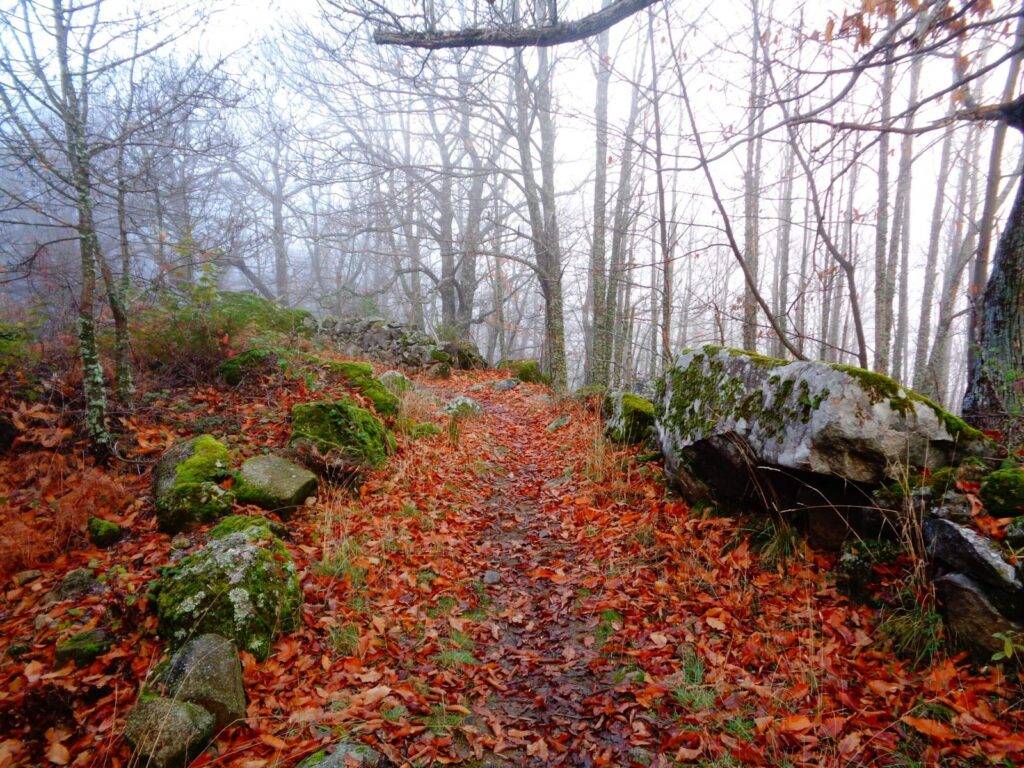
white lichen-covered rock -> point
(242, 585)
(813, 417)
(462, 407)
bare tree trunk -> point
(883, 295)
(598, 279)
(752, 184)
(663, 239)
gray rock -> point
(505, 385)
(957, 548)
(557, 424)
(274, 483)
(165, 733)
(185, 488)
(76, 583)
(344, 755)
(1015, 533)
(953, 506)
(491, 578)
(806, 416)
(206, 671)
(971, 617)
(396, 381)
(461, 406)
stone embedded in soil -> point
(274, 483)
(491, 578)
(77, 583)
(165, 733)
(206, 671)
(104, 532)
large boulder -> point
(185, 483)
(241, 585)
(206, 671)
(339, 438)
(628, 417)
(396, 382)
(360, 377)
(463, 354)
(736, 419)
(165, 733)
(273, 483)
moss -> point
(236, 586)
(588, 391)
(763, 360)
(527, 371)
(249, 310)
(440, 356)
(83, 647)
(343, 427)
(247, 363)
(254, 527)
(1002, 492)
(103, 533)
(942, 480)
(360, 377)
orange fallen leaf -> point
(928, 727)
(795, 724)
(57, 753)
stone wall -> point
(397, 344)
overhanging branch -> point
(516, 37)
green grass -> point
(395, 714)
(692, 694)
(455, 657)
(345, 639)
(445, 604)
(441, 722)
(606, 627)
(742, 728)
(913, 630)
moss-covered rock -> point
(340, 437)
(462, 407)
(76, 583)
(206, 671)
(808, 416)
(273, 483)
(165, 733)
(1002, 492)
(525, 370)
(345, 755)
(629, 418)
(185, 483)
(589, 391)
(396, 382)
(83, 647)
(441, 370)
(360, 377)
(103, 532)
(464, 355)
(242, 586)
(249, 363)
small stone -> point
(1015, 533)
(167, 733)
(83, 647)
(491, 578)
(21, 578)
(344, 755)
(103, 532)
(505, 385)
(953, 506)
(43, 620)
(557, 424)
(76, 583)
(206, 671)
(181, 542)
(462, 407)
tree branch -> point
(516, 37)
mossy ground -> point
(629, 417)
(526, 370)
(360, 377)
(103, 533)
(248, 363)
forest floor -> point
(518, 593)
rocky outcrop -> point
(241, 585)
(761, 431)
(973, 620)
(185, 483)
(273, 483)
(396, 343)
